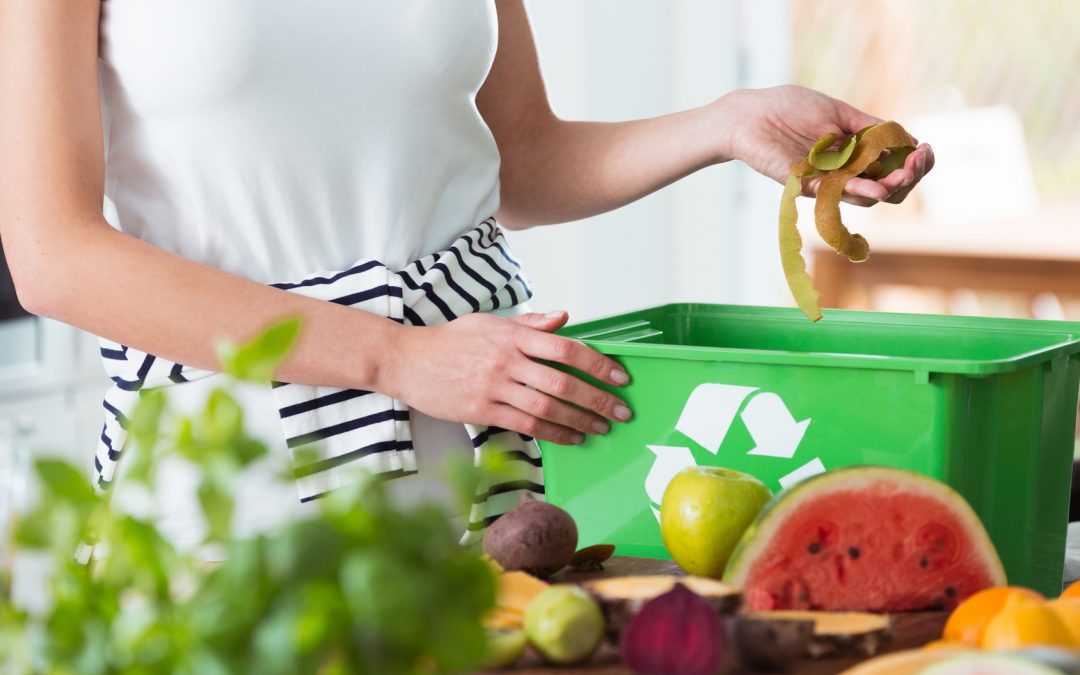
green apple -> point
(704, 513)
(564, 623)
(504, 647)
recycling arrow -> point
(774, 430)
(709, 412)
(706, 419)
(670, 460)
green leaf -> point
(217, 508)
(34, 530)
(248, 450)
(145, 422)
(464, 478)
(223, 419)
(274, 647)
(321, 617)
(205, 662)
(63, 481)
(256, 360)
(145, 425)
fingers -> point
(566, 387)
(549, 322)
(562, 350)
(852, 119)
(928, 155)
(866, 189)
(858, 191)
(901, 182)
(895, 187)
(540, 405)
(508, 417)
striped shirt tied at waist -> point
(334, 435)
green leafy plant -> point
(363, 586)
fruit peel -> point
(871, 144)
(872, 152)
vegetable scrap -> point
(871, 153)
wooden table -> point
(909, 630)
(1029, 260)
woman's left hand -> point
(771, 129)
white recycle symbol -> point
(706, 418)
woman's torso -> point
(274, 138)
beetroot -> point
(677, 633)
(534, 536)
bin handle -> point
(631, 331)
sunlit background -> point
(991, 84)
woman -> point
(246, 144)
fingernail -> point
(622, 413)
(619, 376)
(600, 427)
(554, 314)
(920, 164)
(907, 182)
(577, 439)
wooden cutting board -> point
(909, 630)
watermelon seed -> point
(951, 592)
(853, 552)
(814, 547)
(923, 562)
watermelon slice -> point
(868, 539)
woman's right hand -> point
(482, 369)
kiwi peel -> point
(873, 153)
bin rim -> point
(591, 333)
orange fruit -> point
(1024, 622)
(1073, 591)
(1068, 610)
(969, 619)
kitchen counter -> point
(909, 630)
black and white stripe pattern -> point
(350, 431)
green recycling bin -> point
(985, 405)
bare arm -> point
(69, 264)
(556, 170)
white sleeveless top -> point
(274, 139)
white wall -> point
(709, 238)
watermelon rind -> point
(988, 664)
(759, 535)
